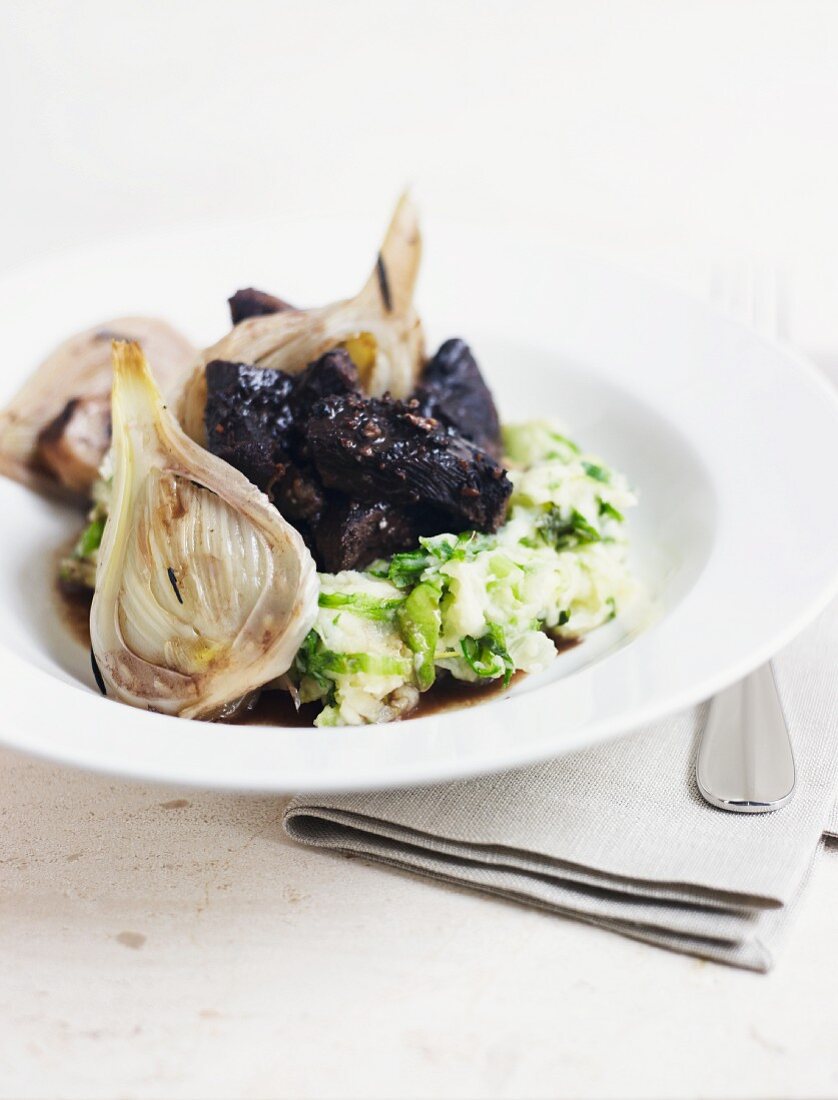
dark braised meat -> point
(332, 373)
(452, 390)
(351, 535)
(254, 303)
(298, 494)
(362, 478)
(248, 418)
(255, 416)
(380, 449)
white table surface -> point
(166, 943)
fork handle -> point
(745, 759)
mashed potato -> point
(475, 605)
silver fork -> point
(745, 760)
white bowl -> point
(730, 440)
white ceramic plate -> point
(731, 441)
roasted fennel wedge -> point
(379, 328)
(56, 430)
(203, 591)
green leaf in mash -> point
(324, 666)
(359, 603)
(565, 533)
(90, 538)
(406, 569)
(536, 441)
(598, 473)
(488, 657)
(420, 623)
(606, 509)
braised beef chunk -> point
(254, 303)
(254, 418)
(351, 535)
(298, 494)
(248, 418)
(362, 478)
(380, 449)
(452, 390)
(332, 373)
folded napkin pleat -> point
(333, 828)
(618, 835)
(545, 890)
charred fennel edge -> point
(97, 675)
(173, 581)
(383, 283)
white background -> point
(626, 125)
(674, 135)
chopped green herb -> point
(565, 533)
(349, 664)
(360, 604)
(606, 509)
(469, 544)
(420, 623)
(488, 656)
(536, 442)
(90, 538)
(322, 665)
(563, 439)
(442, 549)
(313, 659)
(406, 569)
(598, 473)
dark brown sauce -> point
(276, 708)
(75, 611)
(564, 644)
(73, 604)
(450, 694)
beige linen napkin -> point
(618, 835)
